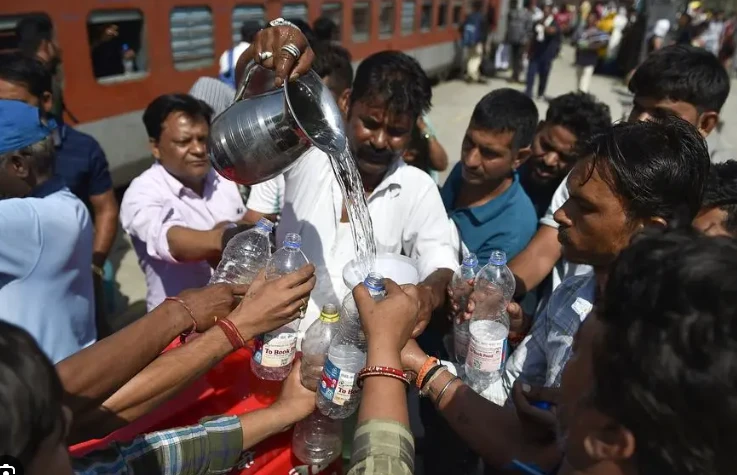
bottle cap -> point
(498, 257)
(470, 260)
(265, 224)
(293, 241)
(329, 313)
(374, 282)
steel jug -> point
(267, 129)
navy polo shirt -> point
(507, 222)
(81, 162)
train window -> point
(408, 17)
(117, 45)
(296, 11)
(361, 21)
(426, 15)
(334, 11)
(192, 43)
(386, 19)
(457, 11)
(246, 14)
(8, 39)
(443, 13)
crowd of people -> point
(620, 237)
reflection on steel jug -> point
(267, 128)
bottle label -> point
(275, 350)
(338, 386)
(487, 356)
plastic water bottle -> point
(245, 255)
(339, 395)
(316, 344)
(318, 440)
(274, 351)
(461, 291)
(489, 326)
(129, 65)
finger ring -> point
(264, 55)
(292, 49)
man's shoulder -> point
(16, 211)
(80, 139)
(414, 180)
(573, 288)
(145, 186)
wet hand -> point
(519, 323)
(271, 304)
(412, 356)
(212, 302)
(272, 40)
(389, 322)
(458, 310)
(295, 399)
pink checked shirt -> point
(153, 204)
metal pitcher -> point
(267, 128)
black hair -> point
(507, 110)
(397, 79)
(31, 31)
(30, 395)
(721, 192)
(658, 168)
(159, 109)
(580, 113)
(334, 61)
(683, 73)
(325, 29)
(665, 361)
(249, 28)
(305, 28)
(18, 68)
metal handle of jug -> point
(252, 73)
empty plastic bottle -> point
(339, 395)
(318, 440)
(462, 286)
(245, 255)
(489, 325)
(274, 351)
(315, 346)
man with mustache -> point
(634, 176)
(389, 93)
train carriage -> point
(165, 45)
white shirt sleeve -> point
(427, 233)
(149, 217)
(267, 197)
(559, 197)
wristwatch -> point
(282, 22)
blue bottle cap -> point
(544, 405)
(374, 282)
(470, 260)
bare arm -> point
(438, 156)
(537, 260)
(383, 398)
(106, 211)
(187, 244)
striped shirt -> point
(211, 447)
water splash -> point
(354, 198)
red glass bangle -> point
(231, 332)
(369, 371)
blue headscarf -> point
(21, 126)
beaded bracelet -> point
(382, 371)
(181, 302)
(231, 332)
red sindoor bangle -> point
(382, 371)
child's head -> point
(718, 215)
(683, 80)
(498, 138)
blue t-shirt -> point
(82, 164)
(507, 222)
(45, 269)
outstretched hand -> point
(390, 321)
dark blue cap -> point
(21, 126)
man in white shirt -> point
(390, 92)
(229, 58)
